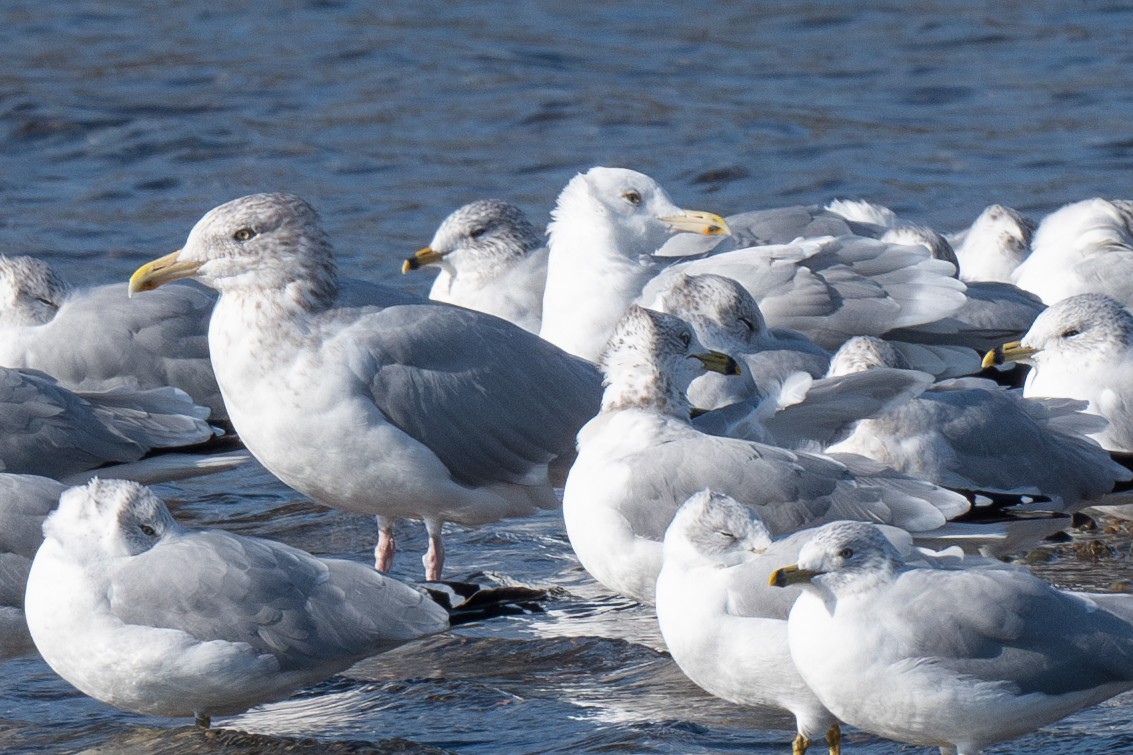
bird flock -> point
(794, 432)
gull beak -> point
(790, 575)
(715, 361)
(1014, 351)
(420, 258)
(161, 271)
(695, 221)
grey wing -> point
(101, 339)
(155, 418)
(491, 400)
(25, 501)
(47, 430)
(1005, 625)
(788, 491)
(216, 586)
(833, 405)
(992, 314)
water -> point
(121, 124)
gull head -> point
(484, 234)
(261, 242)
(652, 358)
(912, 234)
(713, 529)
(1073, 334)
(108, 519)
(625, 212)
(723, 312)
(862, 353)
(842, 557)
(31, 292)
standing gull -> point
(96, 339)
(491, 259)
(423, 411)
(953, 658)
(724, 626)
(144, 614)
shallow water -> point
(120, 125)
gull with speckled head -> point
(423, 411)
(491, 259)
(641, 457)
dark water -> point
(121, 123)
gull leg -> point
(434, 559)
(386, 547)
(798, 747)
(834, 739)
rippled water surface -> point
(122, 123)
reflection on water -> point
(121, 124)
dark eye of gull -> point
(633, 197)
(243, 234)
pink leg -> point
(387, 546)
(434, 559)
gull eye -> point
(633, 197)
(686, 339)
(1070, 333)
(478, 232)
(747, 324)
(725, 533)
(147, 530)
(243, 234)
(846, 553)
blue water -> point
(122, 123)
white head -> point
(269, 243)
(1076, 333)
(31, 292)
(629, 211)
(650, 361)
(713, 529)
(842, 557)
(912, 234)
(108, 519)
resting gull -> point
(147, 615)
(609, 222)
(491, 259)
(640, 458)
(424, 411)
(953, 658)
(96, 339)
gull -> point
(994, 245)
(640, 458)
(46, 429)
(608, 223)
(96, 339)
(491, 259)
(142, 613)
(1083, 247)
(974, 435)
(953, 658)
(724, 626)
(1081, 348)
(424, 411)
